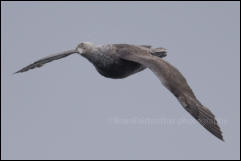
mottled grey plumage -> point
(122, 60)
(104, 58)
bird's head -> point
(85, 47)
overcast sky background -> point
(66, 110)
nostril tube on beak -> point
(79, 50)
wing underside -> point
(174, 81)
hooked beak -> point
(79, 51)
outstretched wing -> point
(47, 59)
(173, 80)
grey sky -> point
(66, 110)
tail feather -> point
(160, 52)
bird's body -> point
(123, 60)
(109, 64)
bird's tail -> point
(160, 52)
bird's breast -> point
(110, 65)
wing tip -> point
(222, 139)
(17, 72)
(220, 136)
(208, 121)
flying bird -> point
(118, 61)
